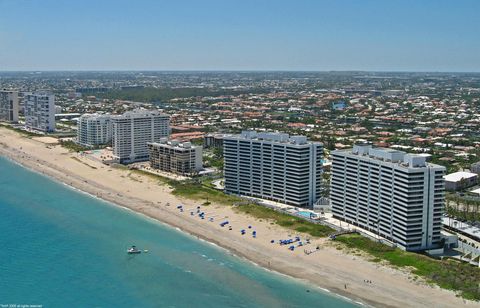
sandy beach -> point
(328, 268)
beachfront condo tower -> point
(176, 157)
(40, 111)
(133, 130)
(273, 166)
(94, 130)
(397, 195)
(9, 106)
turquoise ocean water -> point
(63, 248)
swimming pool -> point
(306, 214)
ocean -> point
(63, 248)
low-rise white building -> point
(460, 180)
(175, 157)
(475, 168)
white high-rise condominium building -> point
(9, 106)
(133, 130)
(94, 129)
(40, 111)
(273, 166)
(175, 157)
(394, 194)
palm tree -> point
(466, 207)
(462, 183)
(457, 203)
(477, 205)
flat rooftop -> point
(476, 191)
(175, 144)
(458, 176)
(388, 155)
(273, 137)
(140, 113)
(466, 228)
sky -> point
(298, 35)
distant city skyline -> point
(216, 35)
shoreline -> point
(328, 271)
(199, 237)
(206, 240)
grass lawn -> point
(198, 191)
(285, 220)
(448, 273)
(203, 192)
(21, 131)
(192, 190)
(160, 179)
(73, 147)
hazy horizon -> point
(232, 71)
(216, 35)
